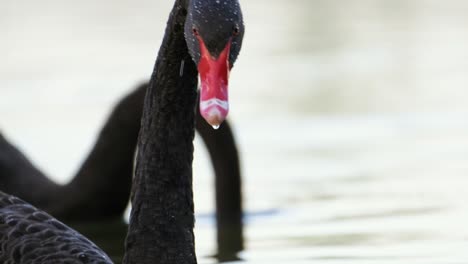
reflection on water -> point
(351, 117)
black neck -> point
(101, 186)
(221, 146)
(162, 218)
(19, 176)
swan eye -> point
(195, 31)
(235, 31)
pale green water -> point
(351, 117)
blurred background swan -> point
(351, 117)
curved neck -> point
(222, 149)
(162, 218)
(19, 176)
(101, 186)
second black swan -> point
(101, 187)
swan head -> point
(214, 30)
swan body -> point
(29, 235)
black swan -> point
(161, 223)
(110, 164)
(29, 235)
(200, 33)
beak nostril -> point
(195, 31)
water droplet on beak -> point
(215, 126)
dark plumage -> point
(101, 187)
(162, 217)
(29, 235)
(162, 198)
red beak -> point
(214, 76)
